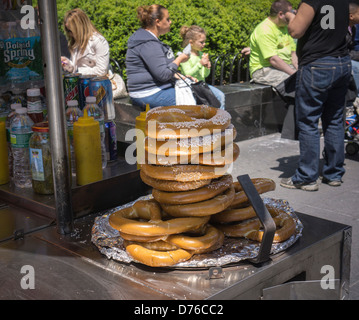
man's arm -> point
(279, 64)
(295, 59)
(299, 23)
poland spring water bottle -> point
(20, 134)
(93, 110)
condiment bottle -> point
(93, 110)
(87, 144)
(140, 144)
(4, 162)
(34, 105)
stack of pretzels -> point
(188, 152)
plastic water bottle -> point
(93, 110)
(20, 134)
(10, 116)
(73, 113)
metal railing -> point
(226, 69)
(229, 68)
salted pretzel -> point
(209, 239)
(262, 185)
(251, 229)
(124, 221)
(191, 146)
(177, 122)
(202, 208)
(216, 187)
(184, 173)
(228, 154)
(172, 185)
(234, 215)
(156, 258)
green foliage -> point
(228, 23)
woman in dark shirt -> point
(150, 63)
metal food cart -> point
(52, 235)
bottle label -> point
(37, 165)
(34, 106)
(22, 59)
(102, 126)
(20, 140)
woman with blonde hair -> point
(199, 65)
(90, 52)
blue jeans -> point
(163, 98)
(167, 97)
(355, 69)
(320, 93)
(219, 95)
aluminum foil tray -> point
(109, 242)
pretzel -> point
(156, 258)
(216, 246)
(159, 245)
(132, 237)
(216, 187)
(123, 221)
(167, 185)
(202, 208)
(183, 173)
(234, 215)
(190, 146)
(228, 154)
(262, 185)
(176, 122)
(209, 239)
(250, 229)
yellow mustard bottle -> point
(140, 143)
(4, 161)
(87, 145)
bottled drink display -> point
(40, 159)
(111, 140)
(9, 117)
(94, 111)
(20, 54)
(18, 96)
(20, 133)
(4, 166)
(73, 113)
(34, 105)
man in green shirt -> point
(273, 51)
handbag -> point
(201, 92)
(118, 85)
(204, 95)
(184, 95)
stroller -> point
(352, 132)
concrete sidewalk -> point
(272, 157)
